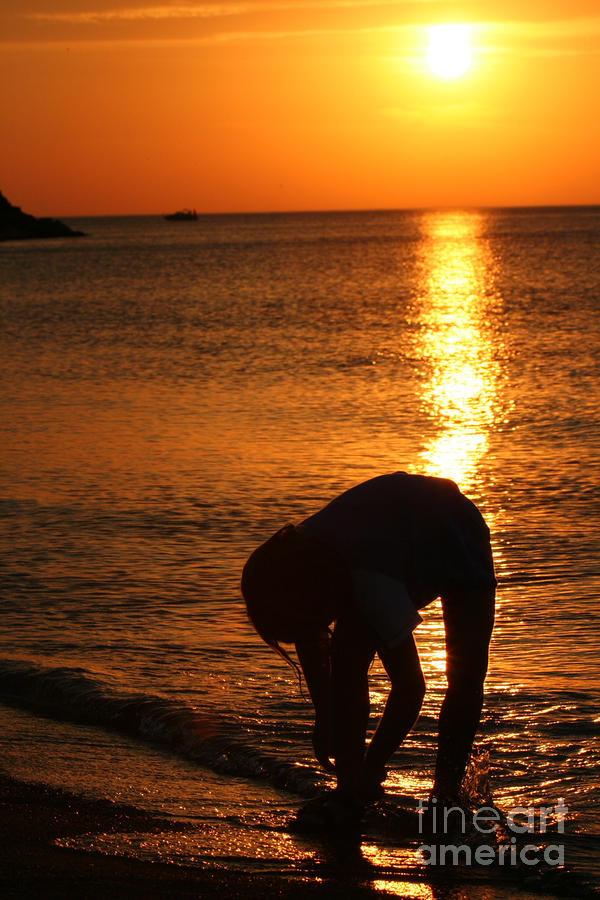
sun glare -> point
(449, 51)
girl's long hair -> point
(285, 577)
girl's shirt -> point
(407, 539)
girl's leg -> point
(401, 710)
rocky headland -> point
(15, 225)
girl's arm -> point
(314, 655)
(353, 650)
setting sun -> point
(449, 51)
(246, 106)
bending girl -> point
(368, 561)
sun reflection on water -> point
(400, 860)
(408, 890)
(461, 394)
(460, 354)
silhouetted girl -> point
(368, 561)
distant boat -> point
(183, 215)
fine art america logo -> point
(450, 821)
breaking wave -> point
(74, 694)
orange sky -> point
(112, 107)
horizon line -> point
(339, 210)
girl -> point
(368, 561)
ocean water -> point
(172, 393)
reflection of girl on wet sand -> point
(368, 561)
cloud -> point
(203, 10)
(139, 14)
(548, 37)
(542, 30)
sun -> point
(449, 51)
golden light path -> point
(455, 340)
(461, 394)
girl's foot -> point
(331, 812)
(370, 788)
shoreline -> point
(33, 817)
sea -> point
(174, 392)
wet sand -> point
(32, 817)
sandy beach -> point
(33, 818)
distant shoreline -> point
(15, 225)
